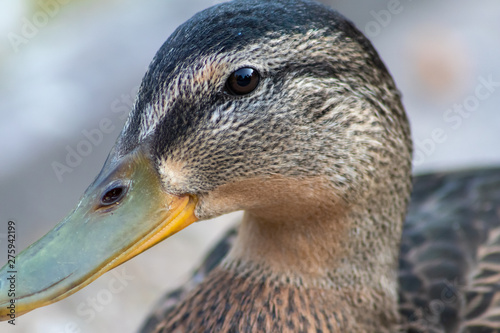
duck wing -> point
(450, 253)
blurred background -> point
(67, 67)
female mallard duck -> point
(282, 109)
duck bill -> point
(95, 238)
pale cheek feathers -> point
(274, 197)
(174, 174)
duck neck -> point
(346, 252)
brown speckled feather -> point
(450, 253)
(449, 271)
(170, 300)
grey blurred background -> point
(66, 66)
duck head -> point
(282, 109)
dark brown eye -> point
(242, 81)
(113, 195)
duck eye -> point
(113, 195)
(242, 81)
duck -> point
(282, 109)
